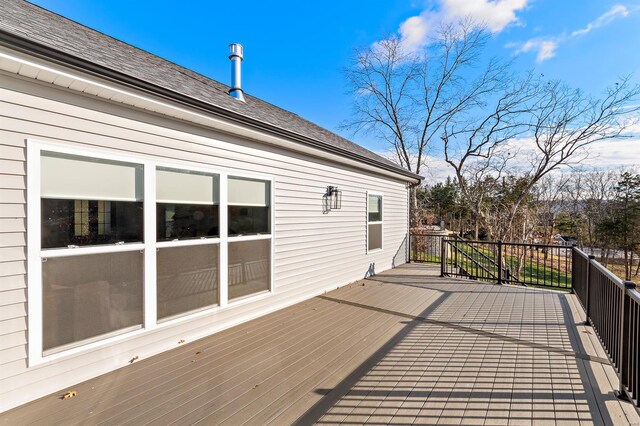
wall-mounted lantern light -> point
(333, 197)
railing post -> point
(574, 255)
(587, 305)
(499, 262)
(623, 368)
(443, 254)
(455, 257)
(410, 248)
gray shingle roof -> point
(59, 34)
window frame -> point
(35, 254)
(185, 243)
(233, 239)
(381, 222)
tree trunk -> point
(413, 207)
(476, 232)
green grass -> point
(532, 274)
(425, 257)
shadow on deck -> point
(402, 347)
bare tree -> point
(550, 198)
(405, 98)
(598, 191)
(475, 143)
(548, 123)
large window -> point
(86, 201)
(374, 222)
(187, 208)
(120, 245)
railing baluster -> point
(625, 321)
(499, 262)
(443, 257)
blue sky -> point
(295, 51)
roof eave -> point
(30, 47)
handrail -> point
(612, 307)
(492, 275)
(581, 253)
(517, 244)
(610, 275)
(475, 249)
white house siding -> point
(314, 252)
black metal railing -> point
(471, 259)
(612, 305)
(425, 247)
(538, 265)
(630, 372)
(613, 309)
(580, 276)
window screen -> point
(187, 279)
(90, 296)
(249, 267)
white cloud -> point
(546, 46)
(495, 14)
(413, 32)
(604, 19)
(602, 155)
(606, 154)
(613, 154)
(547, 50)
(436, 170)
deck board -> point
(403, 347)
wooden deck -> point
(403, 347)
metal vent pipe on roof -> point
(236, 71)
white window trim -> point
(190, 242)
(149, 245)
(381, 222)
(154, 321)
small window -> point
(374, 222)
(249, 206)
